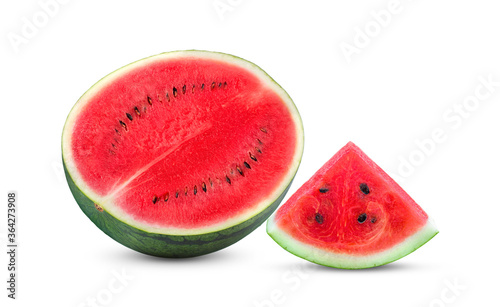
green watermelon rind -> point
(193, 244)
(346, 261)
(162, 245)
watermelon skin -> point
(168, 246)
(410, 230)
(349, 262)
(174, 241)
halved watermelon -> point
(183, 153)
(350, 215)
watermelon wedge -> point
(350, 215)
(182, 153)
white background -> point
(408, 78)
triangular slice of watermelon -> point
(351, 215)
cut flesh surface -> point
(351, 214)
(183, 143)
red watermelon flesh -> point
(200, 135)
(184, 143)
(351, 214)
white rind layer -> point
(107, 202)
(346, 261)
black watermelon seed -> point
(167, 196)
(364, 188)
(246, 165)
(184, 89)
(168, 98)
(129, 116)
(362, 218)
(175, 92)
(373, 220)
(136, 109)
(319, 218)
(177, 194)
(252, 156)
(323, 190)
(203, 186)
(240, 171)
(202, 86)
(150, 101)
(228, 180)
(195, 190)
(124, 125)
(213, 85)
(155, 199)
